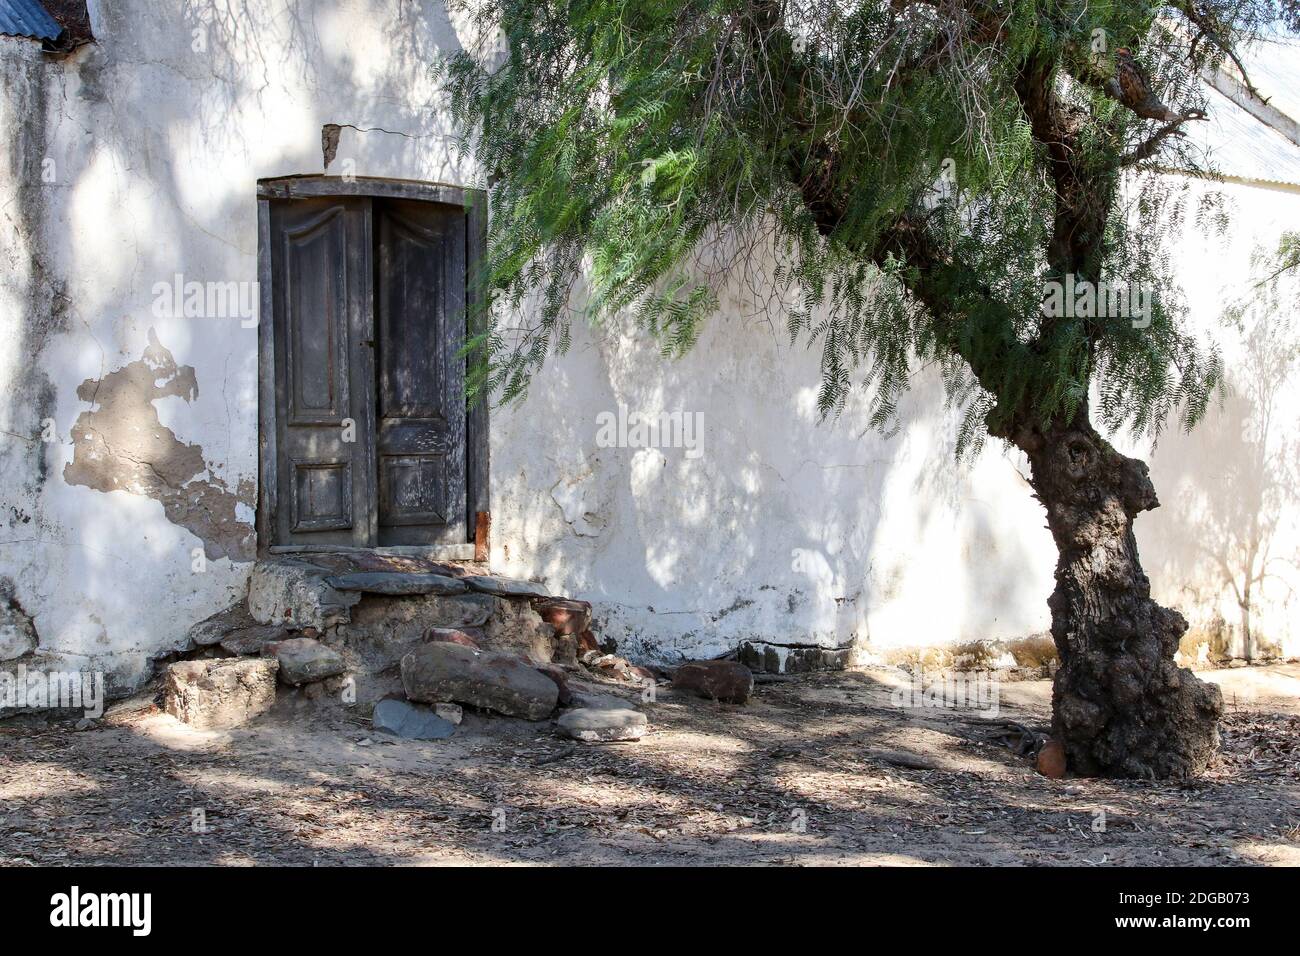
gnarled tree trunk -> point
(1121, 706)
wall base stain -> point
(121, 445)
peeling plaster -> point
(18, 635)
(121, 445)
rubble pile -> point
(416, 643)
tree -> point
(964, 183)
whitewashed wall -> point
(782, 529)
(156, 137)
(794, 532)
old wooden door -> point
(420, 300)
(370, 426)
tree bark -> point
(1120, 705)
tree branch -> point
(1152, 144)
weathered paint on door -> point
(368, 310)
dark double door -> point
(369, 321)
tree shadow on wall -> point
(1237, 485)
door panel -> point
(321, 268)
(419, 302)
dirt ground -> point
(814, 770)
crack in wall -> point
(120, 444)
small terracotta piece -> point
(1051, 760)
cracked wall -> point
(128, 433)
(120, 445)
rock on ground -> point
(600, 701)
(726, 681)
(303, 660)
(561, 683)
(440, 672)
(402, 719)
(594, 724)
(449, 712)
(222, 693)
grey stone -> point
(296, 593)
(505, 587)
(252, 640)
(401, 719)
(582, 699)
(214, 629)
(393, 582)
(220, 693)
(303, 660)
(434, 673)
(450, 712)
(595, 724)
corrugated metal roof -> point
(1237, 144)
(1274, 68)
(27, 18)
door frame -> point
(474, 204)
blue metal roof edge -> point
(27, 18)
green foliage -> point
(642, 157)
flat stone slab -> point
(438, 672)
(396, 582)
(401, 719)
(583, 699)
(597, 724)
(252, 640)
(505, 587)
(304, 660)
(213, 629)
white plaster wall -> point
(158, 133)
(792, 531)
(783, 529)
(1233, 484)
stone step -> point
(397, 582)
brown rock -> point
(587, 642)
(439, 672)
(565, 615)
(464, 636)
(303, 660)
(1051, 760)
(643, 674)
(561, 683)
(726, 681)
